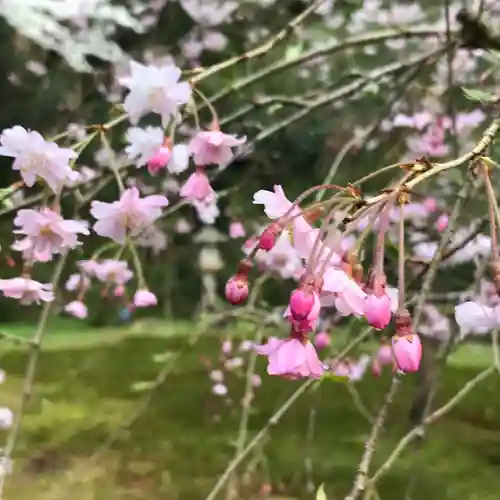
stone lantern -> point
(210, 263)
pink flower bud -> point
(301, 304)
(322, 340)
(442, 223)
(377, 310)
(430, 204)
(119, 291)
(267, 239)
(144, 298)
(407, 352)
(236, 289)
(159, 160)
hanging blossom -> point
(130, 213)
(37, 158)
(149, 146)
(154, 89)
(477, 318)
(213, 147)
(46, 233)
(26, 290)
(334, 278)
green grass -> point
(175, 450)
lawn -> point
(86, 389)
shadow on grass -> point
(176, 449)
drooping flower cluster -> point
(328, 275)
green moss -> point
(84, 394)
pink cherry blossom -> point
(407, 352)
(26, 290)
(144, 298)
(46, 233)
(349, 298)
(77, 309)
(36, 158)
(113, 272)
(322, 340)
(197, 187)
(291, 358)
(383, 357)
(131, 213)
(227, 347)
(213, 147)
(236, 230)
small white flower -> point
(6, 418)
(143, 143)
(219, 389)
(473, 317)
(154, 89)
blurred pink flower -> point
(36, 158)
(236, 230)
(322, 340)
(130, 213)
(197, 187)
(77, 309)
(144, 298)
(291, 358)
(383, 357)
(26, 290)
(213, 147)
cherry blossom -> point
(36, 158)
(131, 213)
(26, 290)
(213, 147)
(154, 89)
(77, 309)
(46, 233)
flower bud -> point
(236, 289)
(377, 310)
(441, 223)
(267, 239)
(301, 304)
(322, 340)
(407, 351)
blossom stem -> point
(138, 266)
(493, 211)
(361, 480)
(401, 260)
(112, 162)
(31, 367)
(378, 259)
(215, 116)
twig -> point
(361, 478)
(416, 431)
(274, 420)
(29, 377)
